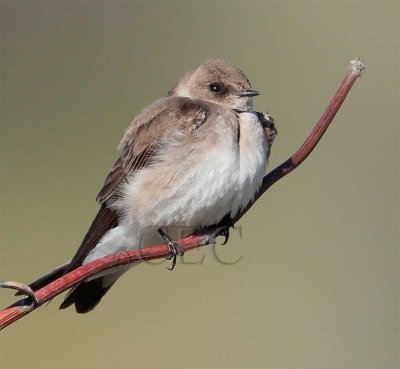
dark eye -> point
(215, 87)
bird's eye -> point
(215, 87)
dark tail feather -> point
(86, 295)
(105, 220)
(48, 278)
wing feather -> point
(140, 146)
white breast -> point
(198, 187)
(197, 190)
(193, 184)
(253, 160)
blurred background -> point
(316, 285)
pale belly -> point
(202, 187)
(197, 191)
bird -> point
(189, 160)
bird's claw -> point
(225, 233)
(227, 223)
(174, 250)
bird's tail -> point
(48, 278)
(87, 295)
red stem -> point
(20, 309)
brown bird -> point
(187, 161)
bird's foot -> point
(175, 249)
(227, 223)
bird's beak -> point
(248, 93)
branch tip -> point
(358, 66)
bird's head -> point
(219, 82)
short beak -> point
(248, 93)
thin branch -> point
(204, 237)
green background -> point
(317, 286)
